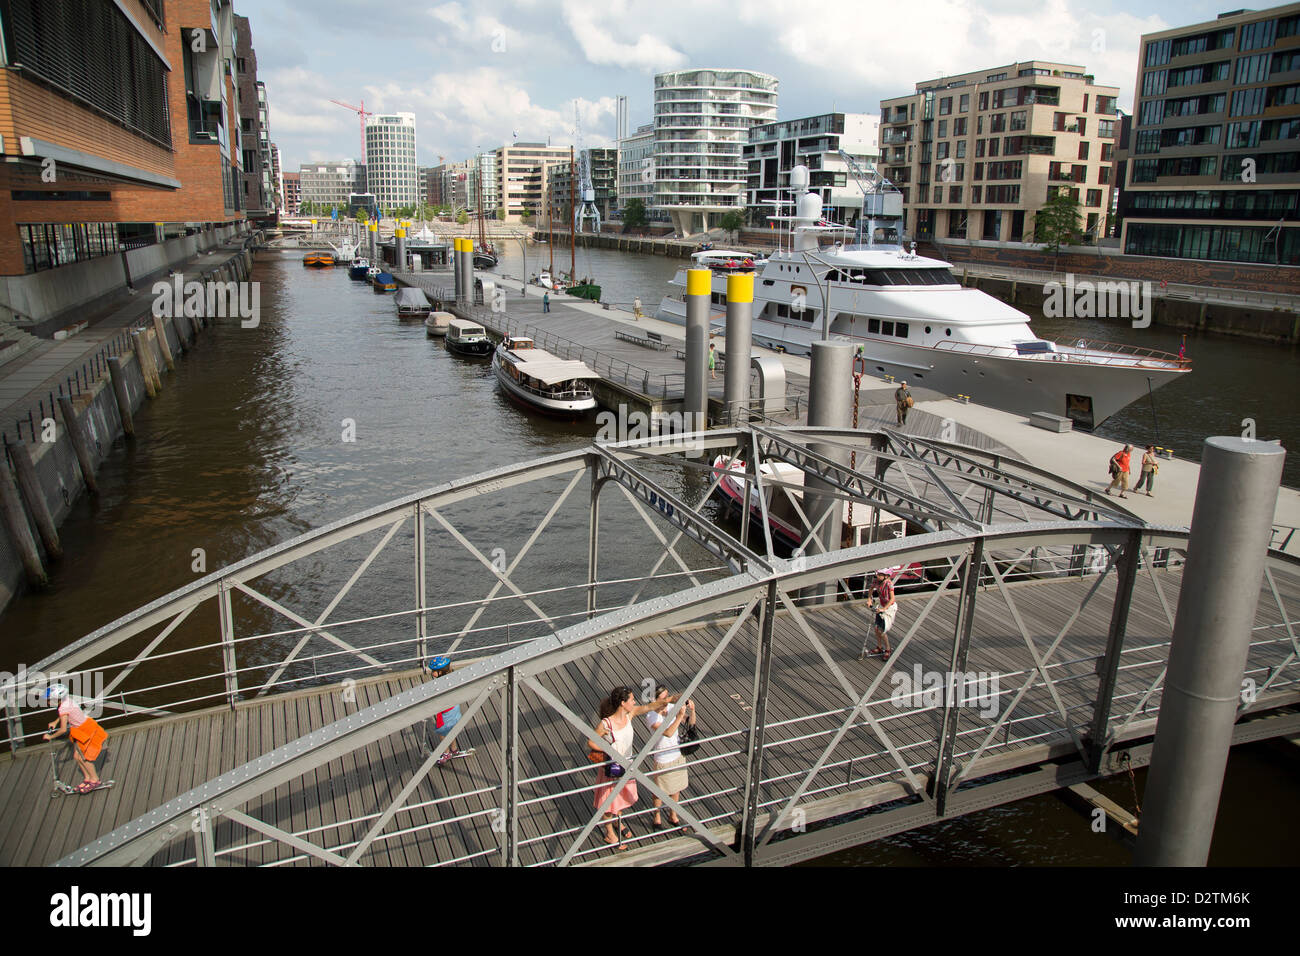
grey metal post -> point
(758, 725)
(120, 393)
(830, 405)
(593, 537)
(30, 486)
(374, 244)
(226, 616)
(1231, 526)
(399, 250)
(957, 666)
(421, 587)
(510, 774)
(740, 345)
(696, 405)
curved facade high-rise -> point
(702, 121)
(390, 160)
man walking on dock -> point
(546, 302)
(1119, 470)
(903, 399)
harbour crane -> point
(587, 192)
(879, 186)
(362, 113)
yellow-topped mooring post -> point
(374, 242)
(399, 250)
(740, 345)
(699, 288)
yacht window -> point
(900, 330)
(886, 328)
(782, 310)
(927, 330)
(873, 326)
(833, 276)
(769, 281)
(947, 331)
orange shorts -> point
(89, 738)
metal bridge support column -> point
(1108, 666)
(228, 644)
(757, 725)
(593, 537)
(698, 288)
(830, 404)
(421, 588)
(956, 667)
(740, 345)
(510, 771)
(1231, 526)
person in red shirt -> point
(1119, 470)
(885, 607)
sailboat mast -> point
(573, 212)
(550, 228)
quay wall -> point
(42, 297)
(100, 422)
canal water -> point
(246, 447)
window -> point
(1243, 135)
(1154, 82)
(984, 100)
(979, 148)
(1252, 69)
(1019, 119)
(998, 123)
(954, 194)
(943, 129)
(945, 106)
(975, 194)
(993, 147)
(1103, 175)
(1105, 129)
(979, 171)
(1157, 53)
(1094, 197)
(1083, 149)
(1107, 152)
(959, 125)
(961, 149)
(1248, 102)
(963, 104)
(1257, 35)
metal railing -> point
(1084, 351)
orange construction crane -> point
(362, 113)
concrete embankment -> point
(51, 467)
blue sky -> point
(478, 72)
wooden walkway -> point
(155, 761)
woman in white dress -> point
(670, 763)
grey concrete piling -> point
(146, 365)
(830, 405)
(1232, 523)
(740, 346)
(698, 287)
(163, 345)
(121, 395)
(399, 250)
(30, 488)
(77, 436)
(15, 522)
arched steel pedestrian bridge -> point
(275, 712)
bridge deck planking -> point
(42, 828)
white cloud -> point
(593, 24)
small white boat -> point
(544, 280)
(539, 380)
(437, 323)
(467, 338)
(372, 274)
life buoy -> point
(1164, 284)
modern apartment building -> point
(561, 185)
(99, 158)
(292, 193)
(976, 155)
(331, 183)
(521, 177)
(390, 160)
(481, 185)
(702, 120)
(256, 195)
(774, 149)
(636, 169)
(277, 178)
(1213, 170)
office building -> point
(1213, 167)
(330, 184)
(99, 158)
(702, 120)
(636, 169)
(976, 155)
(481, 185)
(774, 149)
(521, 177)
(390, 160)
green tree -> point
(362, 216)
(1057, 223)
(462, 217)
(634, 213)
(732, 221)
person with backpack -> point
(1119, 470)
(1149, 468)
(903, 399)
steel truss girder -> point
(682, 516)
(862, 486)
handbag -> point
(615, 769)
(687, 735)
